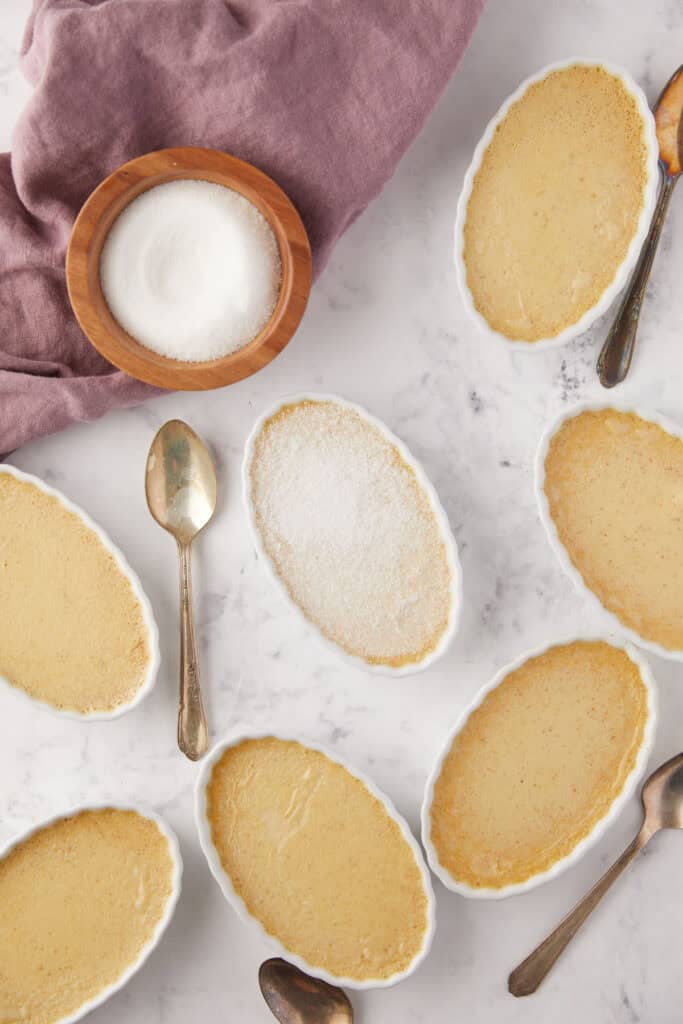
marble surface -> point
(386, 328)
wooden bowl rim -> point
(114, 194)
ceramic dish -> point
(163, 921)
(228, 890)
(107, 202)
(598, 828)
(628, 263)
(551, 530)
(143, 601)
(436, 508)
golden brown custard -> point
(614, 484)
(351, 532)
(81, 899)
(317, 859)
(555, 202)
(538, 764)
(72, 631)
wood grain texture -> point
(106, 203)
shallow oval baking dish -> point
(572, 847)
(671, 428)
(121, 564)
(66, 915)
(623, 270)
(295, 814)
(386, 665)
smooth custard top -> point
(555, 203)
(72, 631)
(80, 900)
(351, 532)
(614, 484)
(538, 764)
(317, 859)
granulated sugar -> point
(351, 532)
(191, 270)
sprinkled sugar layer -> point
(351, 532)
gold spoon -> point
(662, 797)
(615, 358)
(180, 483)
(295, 998)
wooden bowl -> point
(93, 224)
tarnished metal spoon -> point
(295, 998)
(615, 358)
(180, 483)
(662, 797)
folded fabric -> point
(323, 95)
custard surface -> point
(72, 631)
(538, 764)
(351, 532)
(317, 859)
(614, 484)
(555, 202)
(80, 899)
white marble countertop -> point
(386, 328)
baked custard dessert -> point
(614, 484)
(81, 900)
(556, 202)
(351, 532)
(318, 860)
(72, 630)
(538, 764)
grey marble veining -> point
(386, 328)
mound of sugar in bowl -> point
(191, 269)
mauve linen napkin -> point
(323, 95)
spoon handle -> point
(615, 358)
(526, 978)
(193, 733)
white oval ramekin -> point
(236, 901)
(625, 267)
(426, 487)
(169, 910)
(600, 826)
(551, 530)
(143, 601)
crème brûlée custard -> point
(614, 485)
(72, 629)
(556, 202)
(538, 764)
(351, 532)
(317, 859)
(81, 900)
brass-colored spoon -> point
(615, 358)
(180, 483)
(662, 797)
(295, 998)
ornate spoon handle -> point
(615, 358)
(193, 733)
(526, 978)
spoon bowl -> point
(180, 484)
(294, 997)
(669, 124)
(663, 796)
(180, 481)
